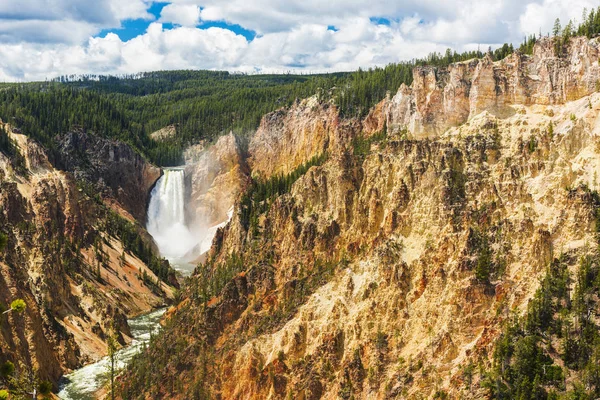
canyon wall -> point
(386, 272)
(64, 255)
(113, 168)
(214, 178)
(440, 98)
(286, 139)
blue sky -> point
(131, 28)
(41, 39)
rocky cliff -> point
(288, 138)
(113, 168)
(214, 179)
(388, 269)
(71, 256)
(440, 98)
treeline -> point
(361, 90)
(43, 111)
(258, 198)
(361, 146)
(589, 27)
(147, 83)
(201, 104)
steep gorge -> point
(72, 252)
(390, 267)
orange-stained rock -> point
(440, 98)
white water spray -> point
(166, 216)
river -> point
(84, 382)
(167, 225)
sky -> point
(42, 39)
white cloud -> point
(292, 35)
(542, 15)
(266, 16)
(64, 21)
(44, 31)
(181, 14)
(129, 9)
(157, 49)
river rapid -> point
(167, 225)
(83, 383)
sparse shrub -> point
(381, 341)
(45, 387)
(18, 305)
(7, 369)
(260, 195)
(129, 235)
(417, 366)
(440, 394)
(346, 389)
(361, 146)
(532, 145)
(483, 268)
(3, 241)
(10, 149)
(467, 374)
(328, 371)
(456, 180)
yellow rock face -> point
(288, 138)
(441, 98)
(215, 178)
(70, 303)
(361, 281)
(405, 216)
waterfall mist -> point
(166, 216)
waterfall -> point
(166, 216)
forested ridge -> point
(201, 104)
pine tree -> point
(113, 346)
(557, 28)
(3, 241)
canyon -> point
(321, 256)
(366, 278)
(78, 253)
(67, 255)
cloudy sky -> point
(42, 39)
